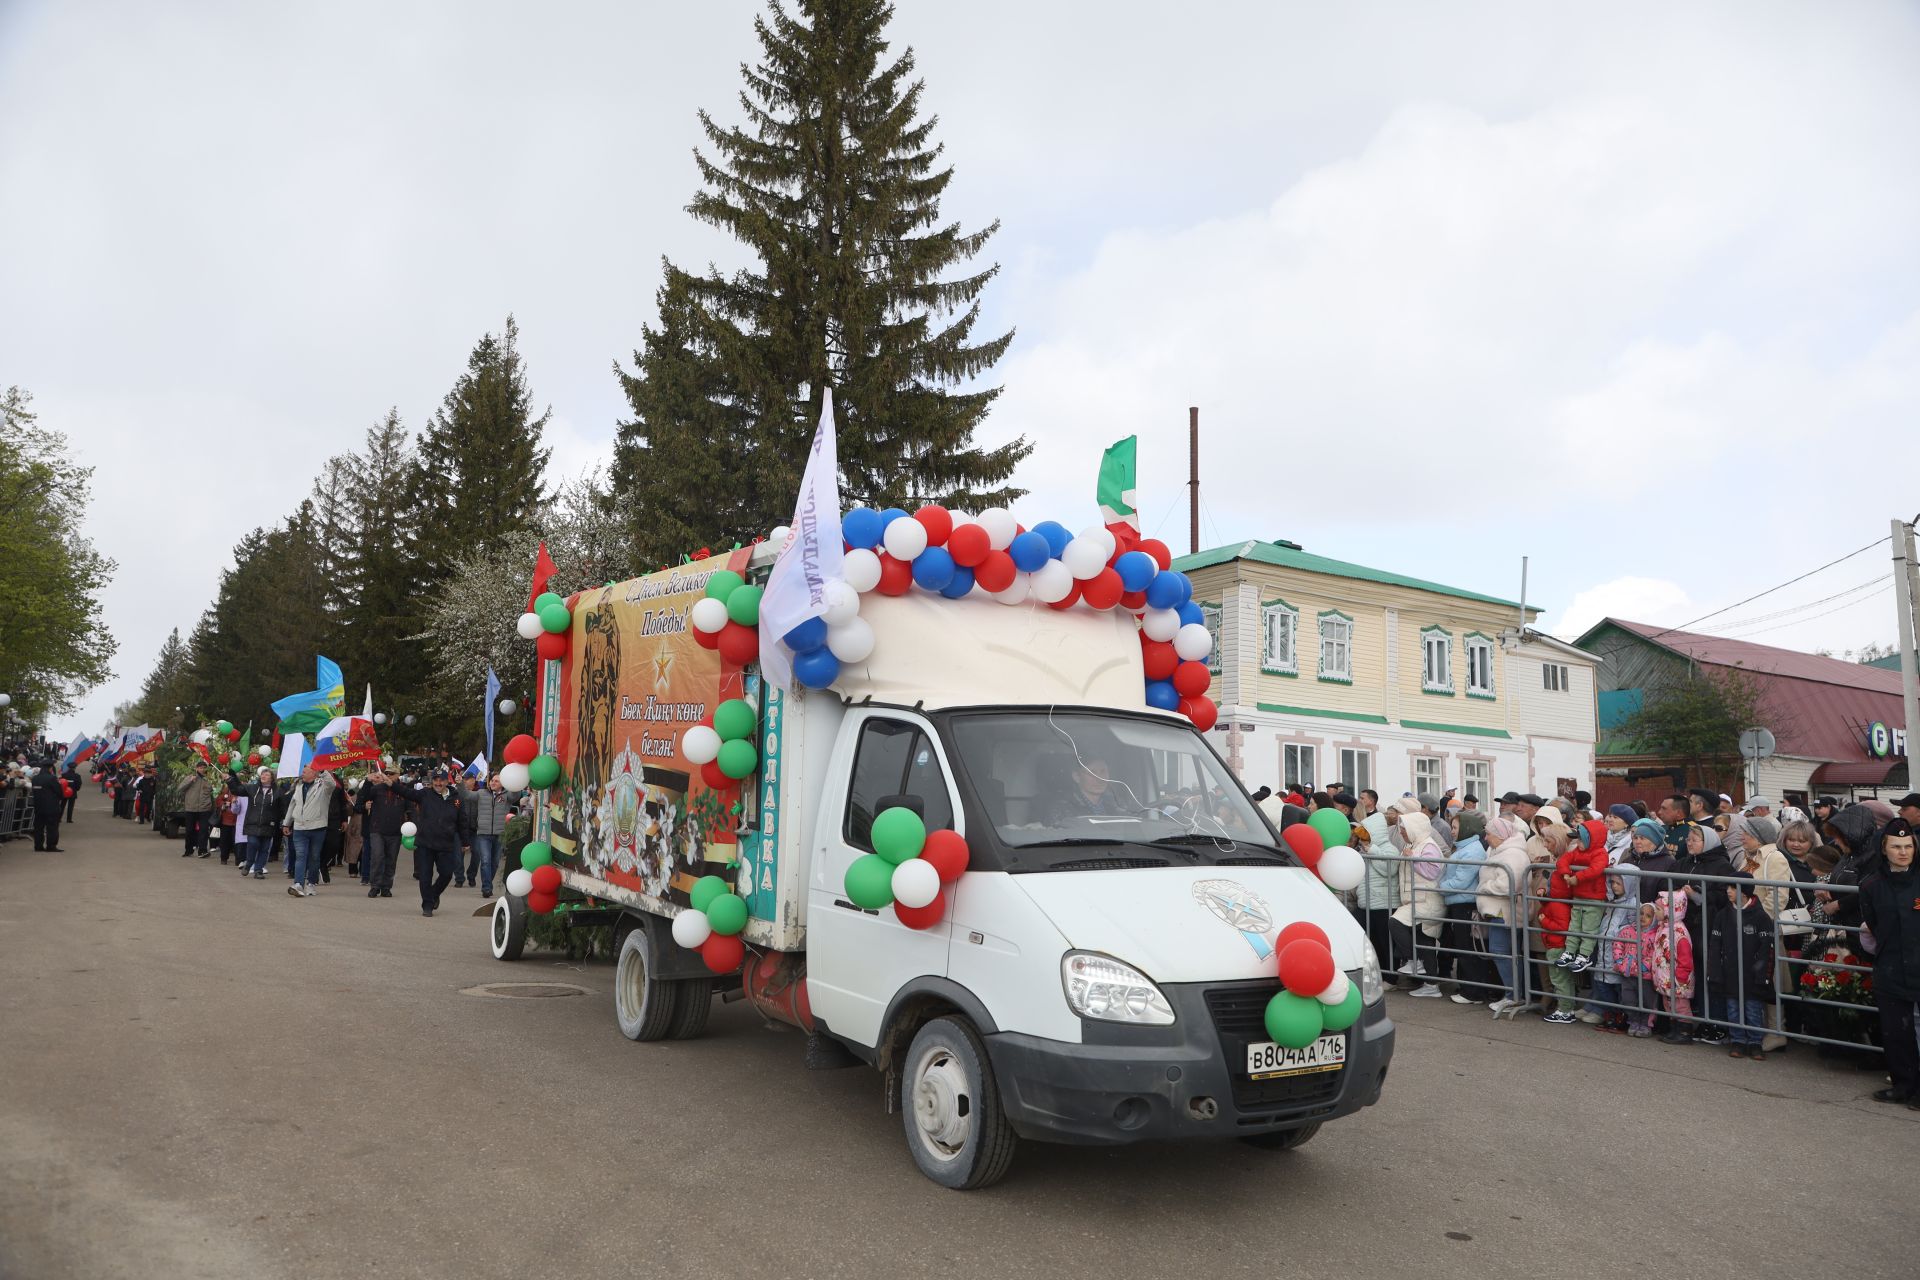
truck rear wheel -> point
(643, 1003)
(508, 928)
(1284, 1139)
(950, 1107)
(692, 1002)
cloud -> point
(1653, 600)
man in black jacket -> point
(47, 804)
(436, 843)
(382, 802)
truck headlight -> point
(1372, 989)
(1101, 987)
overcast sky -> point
(1634, 291)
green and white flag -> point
(1115, 490)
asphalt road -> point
(206, 1078)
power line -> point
(1874, 598)
(1770, 590)
(1878, 580)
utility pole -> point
(1193, 478)
(1906, 584)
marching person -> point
(382, 804)
(193, 800)
(436, 849)
(491, 807)
(70, 782)
(261, 818)
(308, 817)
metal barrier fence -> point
(16, 812)
(1820, 979)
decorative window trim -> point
(1218, 614)
(1478, 640)
(1438, 690)
(1320, 630)
(1290, 669)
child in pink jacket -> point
(1670, 961)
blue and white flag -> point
(493, 692)
(477, 769)
(812, 558)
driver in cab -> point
(1092, 791)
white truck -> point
(1103, 966)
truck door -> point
(857, 960)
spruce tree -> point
(834, 183)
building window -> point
(1436, 665)
(1429, 776)
(1476, 779)
(1336, 647)
(1279, 631)
(1553, 677)
(1210, 614)
(1296, 767)
(1356, 769)
(1479, 666)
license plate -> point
(1267, 1060)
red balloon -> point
(1300, 929)
(711, 775)
(233, 735)
(1133, 601)
(938, 522)
(946, 852)
(1159, 659)
(546, 879)
(922, 917)
(1124, 540)
(521, 748)
(739, 645)
(1158, 550)
(1069, 600)
(896, 576)
(705, 639)
(1190, 679)
(1102, 591)
(1203, 711)
(1305, 843)
(995, 572)
(542, 903)
(969, 545)
(1306, 967)
(723, 952)
(253, 757)
(552, 645)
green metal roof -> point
(1286, 555)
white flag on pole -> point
(812, 557)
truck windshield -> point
(1051, 783)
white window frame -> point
(1432, 638)
(1341, 643)
(1482, 648)
(1554, 677)
(1287, 664)
(1356, 769)
(1438, 785)
(1476, 776)
(1211, 615)
(1292, 754)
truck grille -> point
(1239, 1019)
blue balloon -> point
(810, 634)
(1136, 570)
(1190, 612)
(862, 527)
(934, 568)
(962, 583)
(1160, 693)
(891, 514)
(1168, 590)
(1056, 534)
(1029, 551)
(818, 668)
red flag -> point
(543, 567)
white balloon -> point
(842, 603)
(1342, 868)
(202, 735)
(1000, 526)
(1193, 641)
(708, 615)
(514, 777)
(529, 626)
(1084, 558)
(1102, 535)
(852, 640)
(779, 536)
(508, 706)
(1160, 624)
(409, 829)
(519, 882)
(691, 928)
(700, 744)
(915, 883)
(379, 717)
(1017, 591)
(1337, 989)
(861, 569)
(960, 517)
(1052, 582)
(905, 539)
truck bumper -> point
(1184, 1081)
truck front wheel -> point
(642, 1002)
(950, 1106)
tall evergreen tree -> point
(383, 609)
(835, 185)
(167, 686)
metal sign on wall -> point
(1883, 741)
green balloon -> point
(898, 834)
(1333, 827)
(1293, 1021)
(1338, 1017)
(406, 842)
(546, 598)
(225, 727)
(743, 606)
(727, 914)
(733, 719)
(706, 890)
(537, 854)
(554, 617)
(721, 583)
(870, 882)
(542, 772)
(737, 759)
